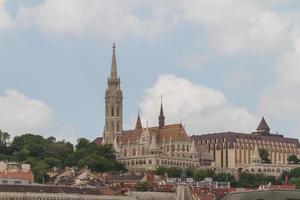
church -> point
(146, 148)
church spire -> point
(161, 118)
(114, 73)
(113, 103)
(138, 124)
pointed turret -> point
(193, 148)
(138, 124)
(153, 146)
(263, 126)
(114, 72)
(116, 145)
(161, 118)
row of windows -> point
(162, 162)
(112, 112)
(213, 141)
(114, 127)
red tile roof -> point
(27, 176)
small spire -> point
(138, 124)
(263, 126)
(114, 73)
(161, 118)
(116, 145)
(153, 144)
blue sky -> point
(220, 66)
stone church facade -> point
(146, 148)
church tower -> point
(113, 104)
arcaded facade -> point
(169, 145)
(233, 150)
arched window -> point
(143, 150)
(112, 111)
(112, 127)
(125, 152)
(118, 128)
(106, 110)
(118, 112)
(133, 151)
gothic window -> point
(118, 112)
(125, 152)
(143, 150)
(112, 111)
(118, 128)
(112, 127)
(106, 110)
(133, 151)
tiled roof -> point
(56, 189)
(232, 137)
(173, 131)
(27, 176)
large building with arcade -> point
(146, 148)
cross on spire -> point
(114, 72)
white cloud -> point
(201, 108)
(112, 19)
(21, 114)
(235, 26)
(281, 100)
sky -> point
(219, 65)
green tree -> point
(190, 172)
(200, 174)
(295, 181)
(264, 155)
(40, 172)
(294, 172)
(161, 170)
(82, 143)
(293, 159)
(142, 186)
(4, 138)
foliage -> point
(293, 159)
(293, 175)
(171, 172)
(294, 172)
(142, 186)
(4, 138)
(200, 174)
(295, 181)
(249, 180)
(264, 155)
(43, 154)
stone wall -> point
(58, 196)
